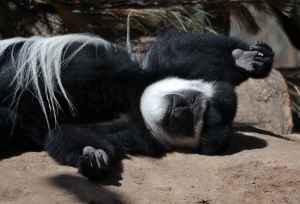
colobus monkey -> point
(88, 102)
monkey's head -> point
(173, 110)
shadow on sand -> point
(241, 140)
(86, 191)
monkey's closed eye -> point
(194, 99)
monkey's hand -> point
(94, 163)
(257, 61)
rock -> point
(265, 104)
(292, 137)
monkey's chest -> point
(102, 101)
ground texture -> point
(257, 168)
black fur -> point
(105, 86)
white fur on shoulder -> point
(39, 59)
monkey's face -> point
(183, 113)
(173, 110)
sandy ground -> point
(257, 168)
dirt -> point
(256, 168)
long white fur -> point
(153, 107)
(41, 58)
(128, 44)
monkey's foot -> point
(257, 61)
(94, 162)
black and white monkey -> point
(88, 102)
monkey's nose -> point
(178, 101)
(181, 112)
(180, 107)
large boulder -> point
(265, 104)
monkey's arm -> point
(208, 57)
(95, 148)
